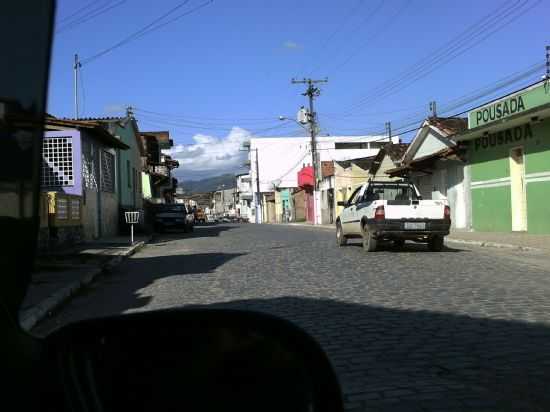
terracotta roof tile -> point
(449, 125)
(395, 150)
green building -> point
(129, 162)
(508, 153)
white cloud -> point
(289, 44)
(210, 155)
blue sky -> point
(222, 72)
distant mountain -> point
(209, 184)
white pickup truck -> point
(392, 210)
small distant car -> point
(173, 216)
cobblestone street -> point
(467, 329)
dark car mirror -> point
(342, 203)
(193, 360)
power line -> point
(83, 94)
(154, 25)
(88, 16)
(361, 24)
(477, 94)
(186, 127)
(448, 51)
(205, 121)
(393, 18)
(338, 28)
(77, 11)
(442, 50)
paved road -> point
(465, 329)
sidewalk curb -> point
(29, 318)
(307, 225)
(492, 244)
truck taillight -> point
(379, 213)
(447, 213)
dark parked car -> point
(173, 216)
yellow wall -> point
(386, 164)
(345, 182)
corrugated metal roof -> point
(363, 162)
(96, 129)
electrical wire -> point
(288, 171)
(83, 93)
(88, 16)
(363, 22)
(333, 34)
(177, 126)
(393, 18)
(154, 25)
(473, 96)
(206, 121)
(449, 51)
(483, 92)
(446, 48)
(76, 12)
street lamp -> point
(285, 118)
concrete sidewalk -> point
(510, 240)
(61, 274)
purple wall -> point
(76, 188)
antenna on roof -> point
(129, 111)
(433, 108)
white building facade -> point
(244, 197)
(275, 161)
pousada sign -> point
(516, 103)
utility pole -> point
(547, 62)
(433, 108)
(312, 92)
(388, 130)
(77, 65)
(258, 198)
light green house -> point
(129, 162)
(508, 153)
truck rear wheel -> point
(435, 244)
(399, 243)
(369, 242)
(341, 240)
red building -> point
(306, 183)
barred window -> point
(75, 209)
(61, 209)
(57, 162)
(107, 172)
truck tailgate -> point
(422, 209)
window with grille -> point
(75, 209)
(107, 171)
(57, 161)
(61, 208)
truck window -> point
(390, 192)
(354, 196)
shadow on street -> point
(205, 230)
(389, 359)
(409, 247)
